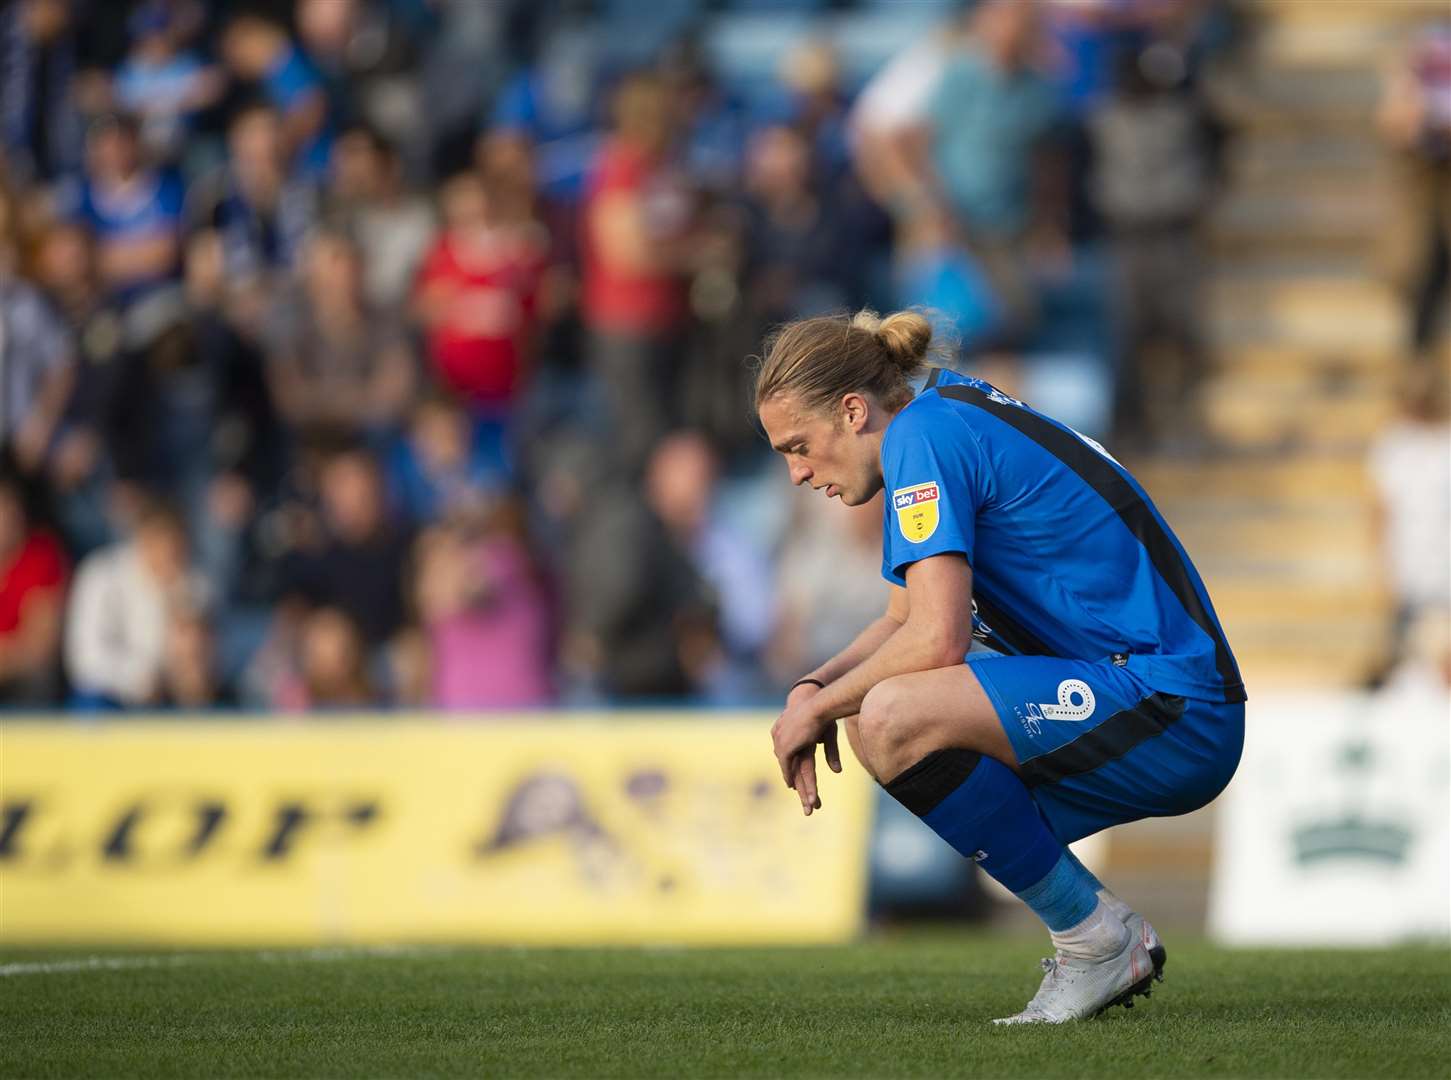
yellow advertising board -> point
(550, 830)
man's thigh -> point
(909, 716)
(1047, 703)
(1097, 747)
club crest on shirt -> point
(916, 508)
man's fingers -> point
(806, 782)
(786, 765)
(833, 752)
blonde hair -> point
(820, 359)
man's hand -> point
(794, 736)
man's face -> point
(352, 497)
(113, 153)
(255, 140)
(356, 167)
(163, 550)
(828, 451)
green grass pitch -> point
(914, 1004)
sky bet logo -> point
(916, 508)
(904, 500)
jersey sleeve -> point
(936, 481)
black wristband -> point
(807, 682)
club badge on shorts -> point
(916, 508)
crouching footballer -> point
(1049, 663)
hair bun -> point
(906, 336)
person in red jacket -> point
(32, 592)
(635, 246)
(477, 294)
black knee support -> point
(932, 779)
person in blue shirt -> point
(133, 211)
(261, 52)
(1049, 663)
(163, 83)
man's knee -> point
(901, 721)
(885, 716)
(854, 739)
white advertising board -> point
(1337, 828)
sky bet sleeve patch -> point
(916, 508)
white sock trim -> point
(1101, 935)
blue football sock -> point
(1098, 886)
(980, 807)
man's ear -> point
(856, 410)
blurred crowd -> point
(365, 352)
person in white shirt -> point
(1410, 467)
(120, 611)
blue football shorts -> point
(1097, 746)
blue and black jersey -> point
(1069, 556)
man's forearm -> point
(863, 645)
(910, 648)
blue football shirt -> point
(1069, 556)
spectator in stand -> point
(189, 414)
(507, 164)
(819, 107)
(551, 104)
(638, 622)
(993, 115)
(681, 483)
(259, 51)
(335, 363)
(889, 127)
(164, 85)
(40, 122)
(247, 436)
(710, 122)
(32, 598)
(37, 363)
(331, 666)
(80, 472)
(828, 581)
(258, 206)
(449, 464)
(358, 559)
(476, 298)
(392, 226)
(637, 219)
(1415, 117)
(797, 251)
(1410, 465)
(120, 609)
(505, 160)
(190, 678)
(1153, 148)
(890, 135)
(358, 50)
(134, 210)
(484, 613)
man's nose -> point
(800, 473)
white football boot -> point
(1075, 989)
